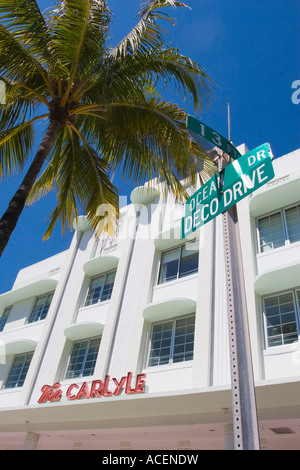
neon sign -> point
(97, 389)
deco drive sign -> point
(236, 181)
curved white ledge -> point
(170, 238)
(43, 286)
(82, 224)
(100, 264)
(19, 346)
(169, 308)
(143, 195)
(285, 277)
(83, 330)
(282, 189)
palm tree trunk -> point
(10, 218)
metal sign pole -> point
(245, 423)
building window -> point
(172, 342)
(4, 317)
(279, 229)
(40, 308)
(179, 262)
(281, 315)
(292, 217)
(100, 288)
(83, 358)
(19, 370)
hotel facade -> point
(121, 342)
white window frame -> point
(171, 356)
(287, 241)
(4, 317)
(89, 288)
(296, 300)
(89, 340)
(181, 247)
(17, 385)
(46, 296)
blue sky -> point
(250, 49)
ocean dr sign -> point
(97, 389)
(233, 183)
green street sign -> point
(233, 183)
(198, 128)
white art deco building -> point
(122, 342)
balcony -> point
(34, 289)
(84, 329)
(286, 276)
(169, 308)
(279, 192)
(101, 264)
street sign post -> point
(219, 196)
(226, 188)
(197, 128)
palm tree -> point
(99, 106)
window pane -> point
(95, 290)
(292, 216)
(172, 342)
(161, 344)
(91, 357)
(271, 233)
(184, 339)
(19, 371)
(77, 359)
(108, 286)
(4, 318)
(281, 319)
(40, 308)
(189, 260)
(100, 288)
(83, 358)
(169, 267)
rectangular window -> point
(4, 317)
(19, 370)
(83, 358)
(172, 342)
(179, 262)
(271, 232)
(292, 216)
(281, 319)
(40, 308)
(100, 288)
(279, 229)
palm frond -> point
(46, 181)
(146, 140)
(19, 106)
(172, 69)
(22, 65)
(151, 5)
(148, 32)
(15, 145)
(24, 19)
(80, 178)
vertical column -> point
(228, 437)
(31, 441)
(202, 353)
